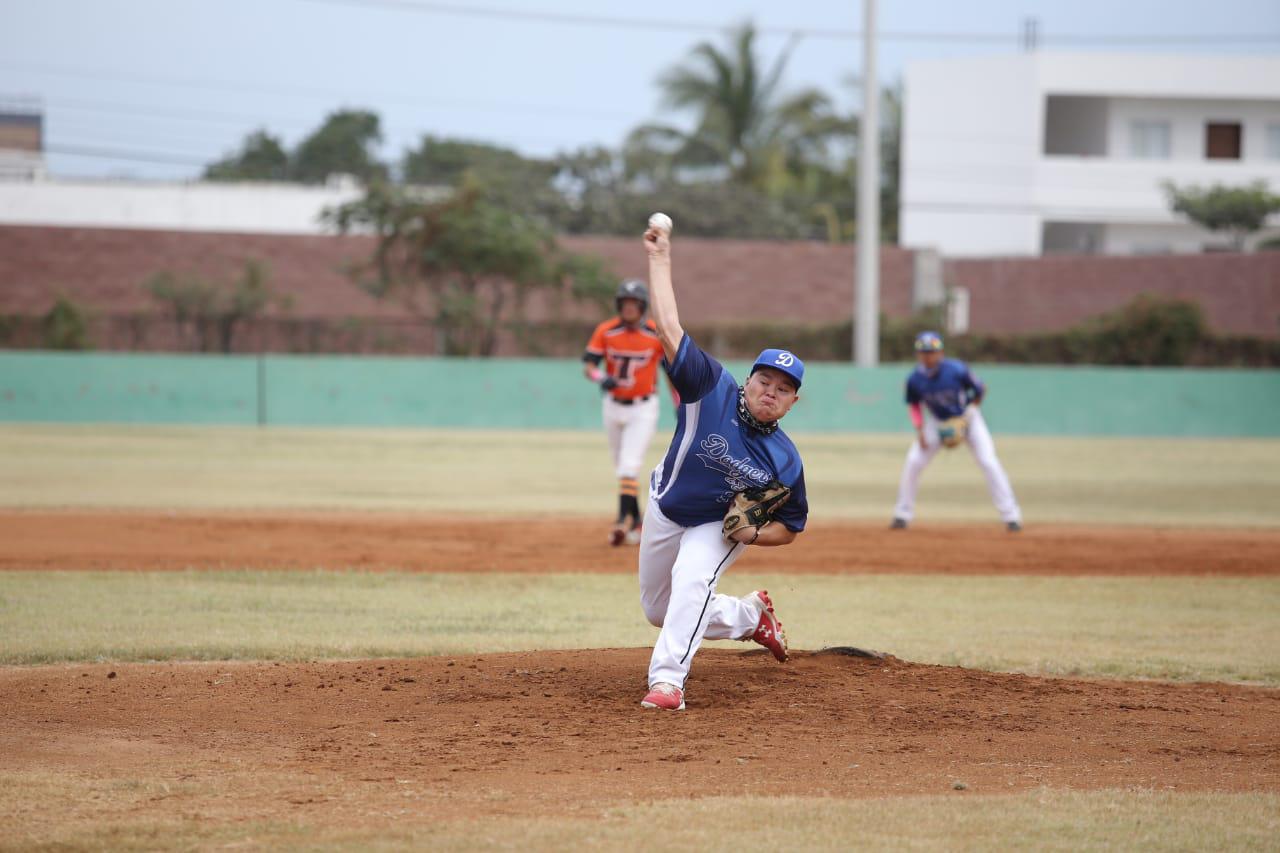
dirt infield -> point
(519, 733)
(168, 541)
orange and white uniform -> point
(632, 356)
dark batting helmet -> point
(632, 288)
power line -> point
(170, 114)
(465, 104)
(612, 22)
(155, 157)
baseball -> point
(660, 221)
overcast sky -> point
(185, 80)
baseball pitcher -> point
(629, 347)
(944, 399)
(730, 479)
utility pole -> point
(1030, 34)
(866, 333)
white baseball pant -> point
(984, 452)
(630, 429)
(679, 569)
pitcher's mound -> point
(549, 728)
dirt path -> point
(166, 541)
(520, 733)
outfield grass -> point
(1109, 481)
(1175, 628)
(112, 814)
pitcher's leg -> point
(703, 559)
(984, 452)
(659, 546)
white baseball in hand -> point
(660, 221)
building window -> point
(1222, 140)
(1273, 142)
(1150, 140)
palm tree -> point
(746, 127)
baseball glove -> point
(952, 431)
(755, 507)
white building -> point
(21, 139)
(1046, 153)
(252, 208)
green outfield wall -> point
(551, 394)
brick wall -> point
(1240, 294)
(719, 281)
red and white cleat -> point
(633, 535)
(667, 697)
(617, 536)
(768, 631)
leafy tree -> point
(344, 144)
(187, 298)
(1238, 211)
(466, 264)
(523, 184)
(745, 126)
(65, 326)
(890, 163)
(261, 158)
(438, 160)
(208, 313)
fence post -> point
(262, 390)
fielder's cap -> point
(781, 359)
(928, 342)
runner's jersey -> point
(713, 454)
(631, 356)
(947, 391)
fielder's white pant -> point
(679, 569)
(630, 429)
(984, 452)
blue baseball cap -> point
(781, 359)
(929, 342)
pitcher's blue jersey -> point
(713, 454)
(947, 391)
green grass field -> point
(1181, 628)
(1051, 820)
(1095, 481)
(1199, 629)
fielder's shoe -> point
(768, 632)
(666, 697)
(617, 536)
(634, 533)
(898, 524)
(1014, 527)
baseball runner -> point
(951, 396)
(628, 344)
(730, 479)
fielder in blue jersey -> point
(944, 399)
(727, 440)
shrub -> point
(65, 327)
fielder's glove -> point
(755, 507)
(608, 383)
(952, 431)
